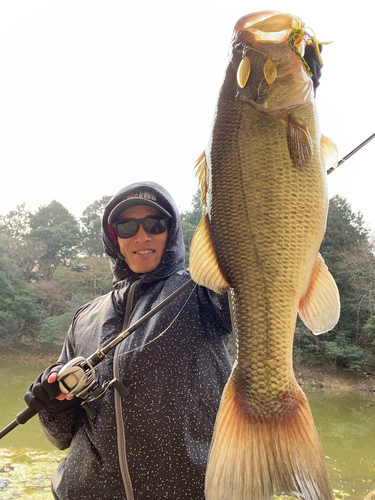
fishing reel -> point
(78, 378)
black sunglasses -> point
(153, 224)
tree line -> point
(51, 263)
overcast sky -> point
(95, 95)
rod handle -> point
(25, 415)
(21, 418)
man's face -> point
(144, 251)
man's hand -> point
(52, 378)
(45, 393)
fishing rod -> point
(77, 377)
(329, 171)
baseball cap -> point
(137, 198)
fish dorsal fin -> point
(299, 140)
(204, 267)
(319, 309)
(201, 174)
(329, 152)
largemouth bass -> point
(264, 191)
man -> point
(153, 443)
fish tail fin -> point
(255, 458)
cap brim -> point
(130, 202)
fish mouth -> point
(266, 26)
(268, 47)
(250, 19)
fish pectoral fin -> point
(319, 309)
(329, 152)
(204, 267)
(299, 140)
(201, 173)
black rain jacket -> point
(175, 367)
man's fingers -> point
(52, 377)
(64, 396)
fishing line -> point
(163, 332)
(245, 49)
(259, 86)
(153, 340)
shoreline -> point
(327, 378)
(333, 379)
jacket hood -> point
(174, 255)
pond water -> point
(346, 425)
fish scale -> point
(265, 206)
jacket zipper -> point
(121, 442)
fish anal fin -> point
(299, 140)
(201, 173)
(204, 267)
(255, 458)
(319, 309)
(329, 152)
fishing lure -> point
(297, 36)
(270, 71)
(244, 69)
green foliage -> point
(369, 329)
(16, 223)
(190, 220)
(19, 310)
(341, 353)
(349, 255)
(55, 328)
(188, 231)
(194, 215)
(91, 221)
(9, 327)
(58, 229)
(345, 229)
(333, 348)
(41, 277)
(306, 348)
(88, 275)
